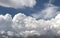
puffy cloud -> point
(17, 3)
(5, 21)
(23, 26)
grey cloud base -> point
(23, 26)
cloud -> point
(51, 1)
(5, 21)
(17, 3)
(23, 26)
(47, 13)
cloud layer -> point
(22, 25)
(17, 3)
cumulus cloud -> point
(5, 21)
(26, 26)
(17, 3)
(23, 26)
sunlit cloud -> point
(18, 3)
(22, 25)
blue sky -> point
(30, 17)
(38, 7)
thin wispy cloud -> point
(47, 13)
(50, 11)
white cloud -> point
(5, 21)
(40, 27)
(17, 3)
(22, 25)
(10, 33)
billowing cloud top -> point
(17, 3)
(22, 25)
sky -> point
(23, 18)
(38, 7)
